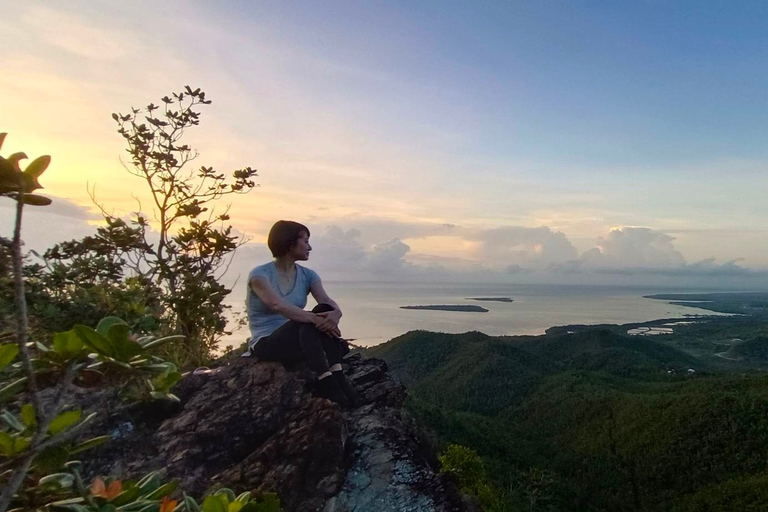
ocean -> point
(372, 313)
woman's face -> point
(300, 250)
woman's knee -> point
(322, 308)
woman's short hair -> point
(283, 235)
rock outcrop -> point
(255, 426)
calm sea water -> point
(372, 313)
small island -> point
(452, 307)
(492, 299)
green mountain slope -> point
(755, 349)
(596, 410)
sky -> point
(549, 141)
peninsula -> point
(453, 307)
(492, 299)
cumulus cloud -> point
(638, 251)
(634, 247)
(372, 231)
(387, 258)
(525, 247)
(336, 250)
(337, 254)
(623, 255)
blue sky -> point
(431, 124)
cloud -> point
(69, 33)
(624, 255)
(516, 245)
(634, 247)
(639, 251)
(701, 269)
(43, 227)
(337, 254)
(337, 251)
(340, 253)
(65, 208)
(373, 230)
(387, 258)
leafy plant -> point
(36, 435)
(466, 466)
(150, 494)
(194, 240)
(161, 276)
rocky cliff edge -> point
(255, 426)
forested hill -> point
(601, 420)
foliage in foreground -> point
(161, 276)
(39, 427)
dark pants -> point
(294, 341)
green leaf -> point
(127, 496)
(52, 458)
(244, 497)
(12, 390)
(38, 166)
(226, 492)
(67, 344)
(159, 367)
(215, 503)
(14, 158)
(163, 490)
(138, 506)
(64, 420)
(269, 502)
(33, 171)
(61, 479)
(6, 444)
(91, 443)
(28, 415)
(165, 381)
(7, 354)
(37, 200)
(12, 421)
(235, 506)
(159, 395)
(149, 483)
(152, 343)
(125, 347)
(191, 504)
(20, 444)
(67, 502)
(95, 341)
(107, 322)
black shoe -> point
(329, 388)
(346, 388)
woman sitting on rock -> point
(281, 330)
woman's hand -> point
(327, 324)
(334, 315)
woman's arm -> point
(322, 297)
(261, 287)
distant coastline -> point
(452, 307)
(492, 299)
(732, 303)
